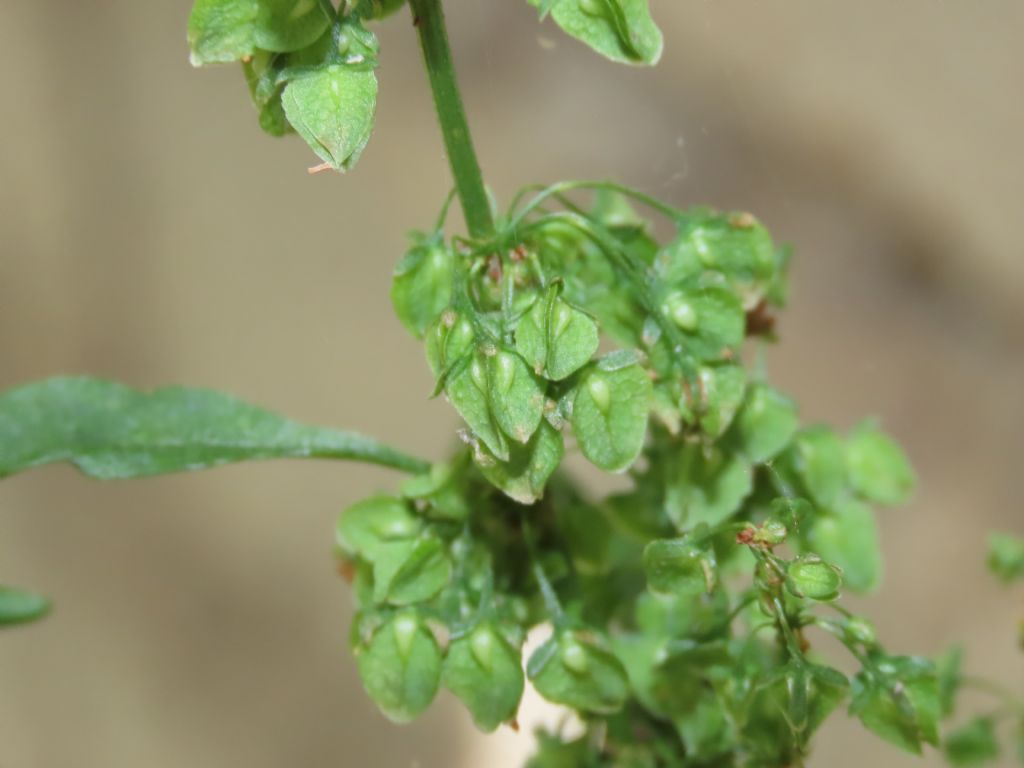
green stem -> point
(428, 17)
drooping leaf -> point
(609, 414)
(848, 538)
(401, 667)
(332, 108)
(18, 606)
(877, 467)
(621, 30)
(222, 30)
(486, 673)
(111, 431)
(421, 288)
(573, 670)
(556, 338)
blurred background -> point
(149, 232)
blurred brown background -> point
(149, 232)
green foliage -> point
(110, 431)
(682, 611)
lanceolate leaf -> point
(110, 431)
(332, 108)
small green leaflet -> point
(877, 467)
(819, 459)
(401, 667)
(721, 388)
(609, 413)
(516, 395)
(110, 431)
(573, 670)
(467, 389)
(18, 606)
(332, 108)
(708, 313)
(621, 30)
(556, 338)
(486, 673)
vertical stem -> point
(428, 17)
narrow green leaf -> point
(621, 30)
(878, 469)
(222, 30)
(401, 667)
(486, 673)
(848, 538)
(609, 414)
(110, 431)
(332, 108)
(18, 606)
